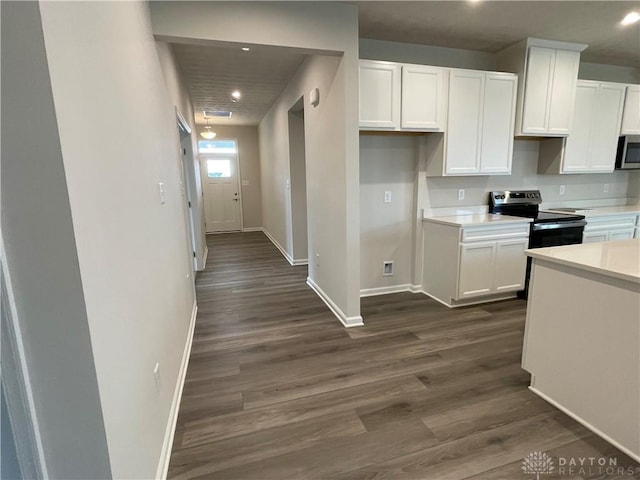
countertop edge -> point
(533, 253)
(504, 220)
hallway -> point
(277, 388)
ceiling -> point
(212, 72)
(490, 26)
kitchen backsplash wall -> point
(387, 164)
(443, 191)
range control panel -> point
(530, 197)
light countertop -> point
(477, 219)
(602, 211)
(618, 259)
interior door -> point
(221, 193)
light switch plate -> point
(387, 196)
(162, 192)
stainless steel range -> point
(548, 229)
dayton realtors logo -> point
(538, 463)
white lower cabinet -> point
(509, 269)
(464, 264)
(476, 264)
(611, 227)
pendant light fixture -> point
(208, 133)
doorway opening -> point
(221, 185)
(298, 185)
(186, 157)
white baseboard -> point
(415, 288)
(302, 261)
(205, 256)
(279, 247)
(346, 321)
(371, 292)
(253, 229)
(165, 455)
(634, 455)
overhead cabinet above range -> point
(631, 116)
(591, 147)
(548, 73)
(399, 97)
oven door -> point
(556, 233)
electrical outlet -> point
(561, 191)
(606, 188)
(461, 194)
(387, 197)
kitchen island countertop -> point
(619, 259)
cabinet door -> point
(497, 123)
(577, 147)
(476, 269)
(621, 234)
(539, 77)
(605, 127)
(464, 125)
(510, 265)
(379, 95)
(423, 98)
(563, 92)
(631, 116)
(592, 237)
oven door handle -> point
(555, 226)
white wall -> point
(332, 139)
(387, 163)
(118, 137)
(179, 95)
(443, 191)
(41, 258)
(426, 55)
(249, 158)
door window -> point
(220, 168)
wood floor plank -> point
(278, 389)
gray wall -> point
(179, 95)
(118, 139)
(249, 157)
(42, 260)
(332, 140)
(387, 163)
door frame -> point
(202, 157)
(184, 133)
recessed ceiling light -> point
(630, 18)
(235, 95)
(245, 49)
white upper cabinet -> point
(424, 98)
(479, 134)
(631, 115)
(466, 92)
(548, 73)
(396, 96)
(380, 95)
(498, 122)
(550, 88)
(591, 147)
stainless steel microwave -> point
(628, 155)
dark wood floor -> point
(278, 389)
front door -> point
(221, 193)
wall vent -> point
(217, 113)
(387, 268)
